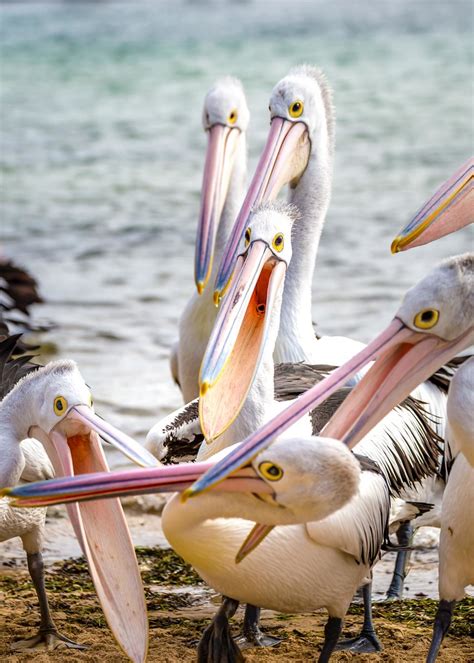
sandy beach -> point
(180, 606)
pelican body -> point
(53, 406)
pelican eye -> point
(270, 471)
(296, 108)
(278, 242)
(247, 236)
(60, 405)
(233, 115)
(426, 319)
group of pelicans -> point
(304, 450)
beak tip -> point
(203, 388)
(396, 245)
(216, 298)
(200, 287)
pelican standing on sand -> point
(54, 405)
(296, 481)
(225, 119)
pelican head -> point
(450, 208)
(54, 406)
(433, 324)
(225, 118)
(249, 313)
(294, 481)
(302, 124)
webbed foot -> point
(46, 639)
(365, 643)
(257, 639)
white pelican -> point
(299, 152)
(296, 481)
(53, 404)
(225, 119)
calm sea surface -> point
(102, 152)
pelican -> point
(53, 405)
(297, 481)
(449, 209)
(299, 152)
(225, 119)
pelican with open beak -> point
(450, 208)
(433, 324)
(240, 334)
(54, 406)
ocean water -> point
(102, 153)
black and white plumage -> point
(28, 524)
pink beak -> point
(101, 529)
(273, 172)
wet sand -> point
(180, 606)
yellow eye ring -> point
(270, 471)
(233, 115)
(296, 108)
(247, 236)
(426, 319)
(60, 406)
(278, 242)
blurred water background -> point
(102, 153)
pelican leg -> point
(440, 628)
(404, 538)
(217, 644)
(252, 636)
(366, 642)
(48, 637)
(332, 631)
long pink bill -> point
(387, 350)
(74, 448)
(448, 210)
(100, 485)
(221, 150)
(236, 344)
(273, 171)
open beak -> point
(74, 448)
(238, 338)
(99, 485)
(402, 359)
(448, 210)
(221, 150)
(283, 160)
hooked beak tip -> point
(203, 388)
(240, 556)
(5, 492)
(217, 297)
(186, 494)
(396, 244)
(200, 287)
